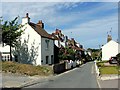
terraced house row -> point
(38, 47)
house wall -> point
(109, 50)
(62, 43)
(5, 53)
(56, 43)
(59, 42)
(5, 48)
(47, 51)
(33, 54)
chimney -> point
(25, 19)
(57, 31)
(72, 39)
(40, 23)
(109, 38)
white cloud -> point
(87, 32)
(46, 11)
(94, 31)
(73, 16)
(49, 11)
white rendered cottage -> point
(39, 44)
(110, 49)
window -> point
(52, 59)
(47, 44)
(47, 59)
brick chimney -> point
(109, 38)
(40, 23)
(25, 19)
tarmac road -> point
(82, 77)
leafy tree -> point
(11, 31)
(0, 30)
(66, 53)
(95, 53)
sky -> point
(86, 22)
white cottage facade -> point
(110, 49)
(39, 44)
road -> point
(81, 77)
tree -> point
(11, 31)
(24, 54)
(95, 53)
(66, 53)
(0, 31)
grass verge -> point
(26, 69)
(108, 69)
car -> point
(113, 60)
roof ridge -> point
(42, 32)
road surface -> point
(81, 77)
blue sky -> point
(87, 22)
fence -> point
(5, 57)
(62, 67)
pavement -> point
(13, 80)
(112, 83)
(108, 80)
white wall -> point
(33, 37)
(56, 43)
(47, 52)
(62, 43)
(110, 49)
(5, 48)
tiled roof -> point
(40, 31)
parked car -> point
(113, 60)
